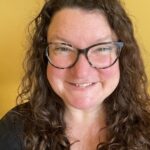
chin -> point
(85, 104)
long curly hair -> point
(127, 114)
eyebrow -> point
(60, 39)
(107, 38)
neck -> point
(83, 126)
(84, 116)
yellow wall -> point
(14, 16)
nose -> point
(82, 67)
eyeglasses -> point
(101, 55)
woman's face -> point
(82, 86)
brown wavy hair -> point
(128, 118)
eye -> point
(104, 49)
(62, 49)
(100, 50)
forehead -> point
(75, 25)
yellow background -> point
(14, 17)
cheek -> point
(112, 73)
(55, 77)
(54, 73)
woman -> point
(85, 82)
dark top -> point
(11, 127)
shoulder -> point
(11, 129)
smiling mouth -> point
(83, 85)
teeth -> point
(83, 84)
